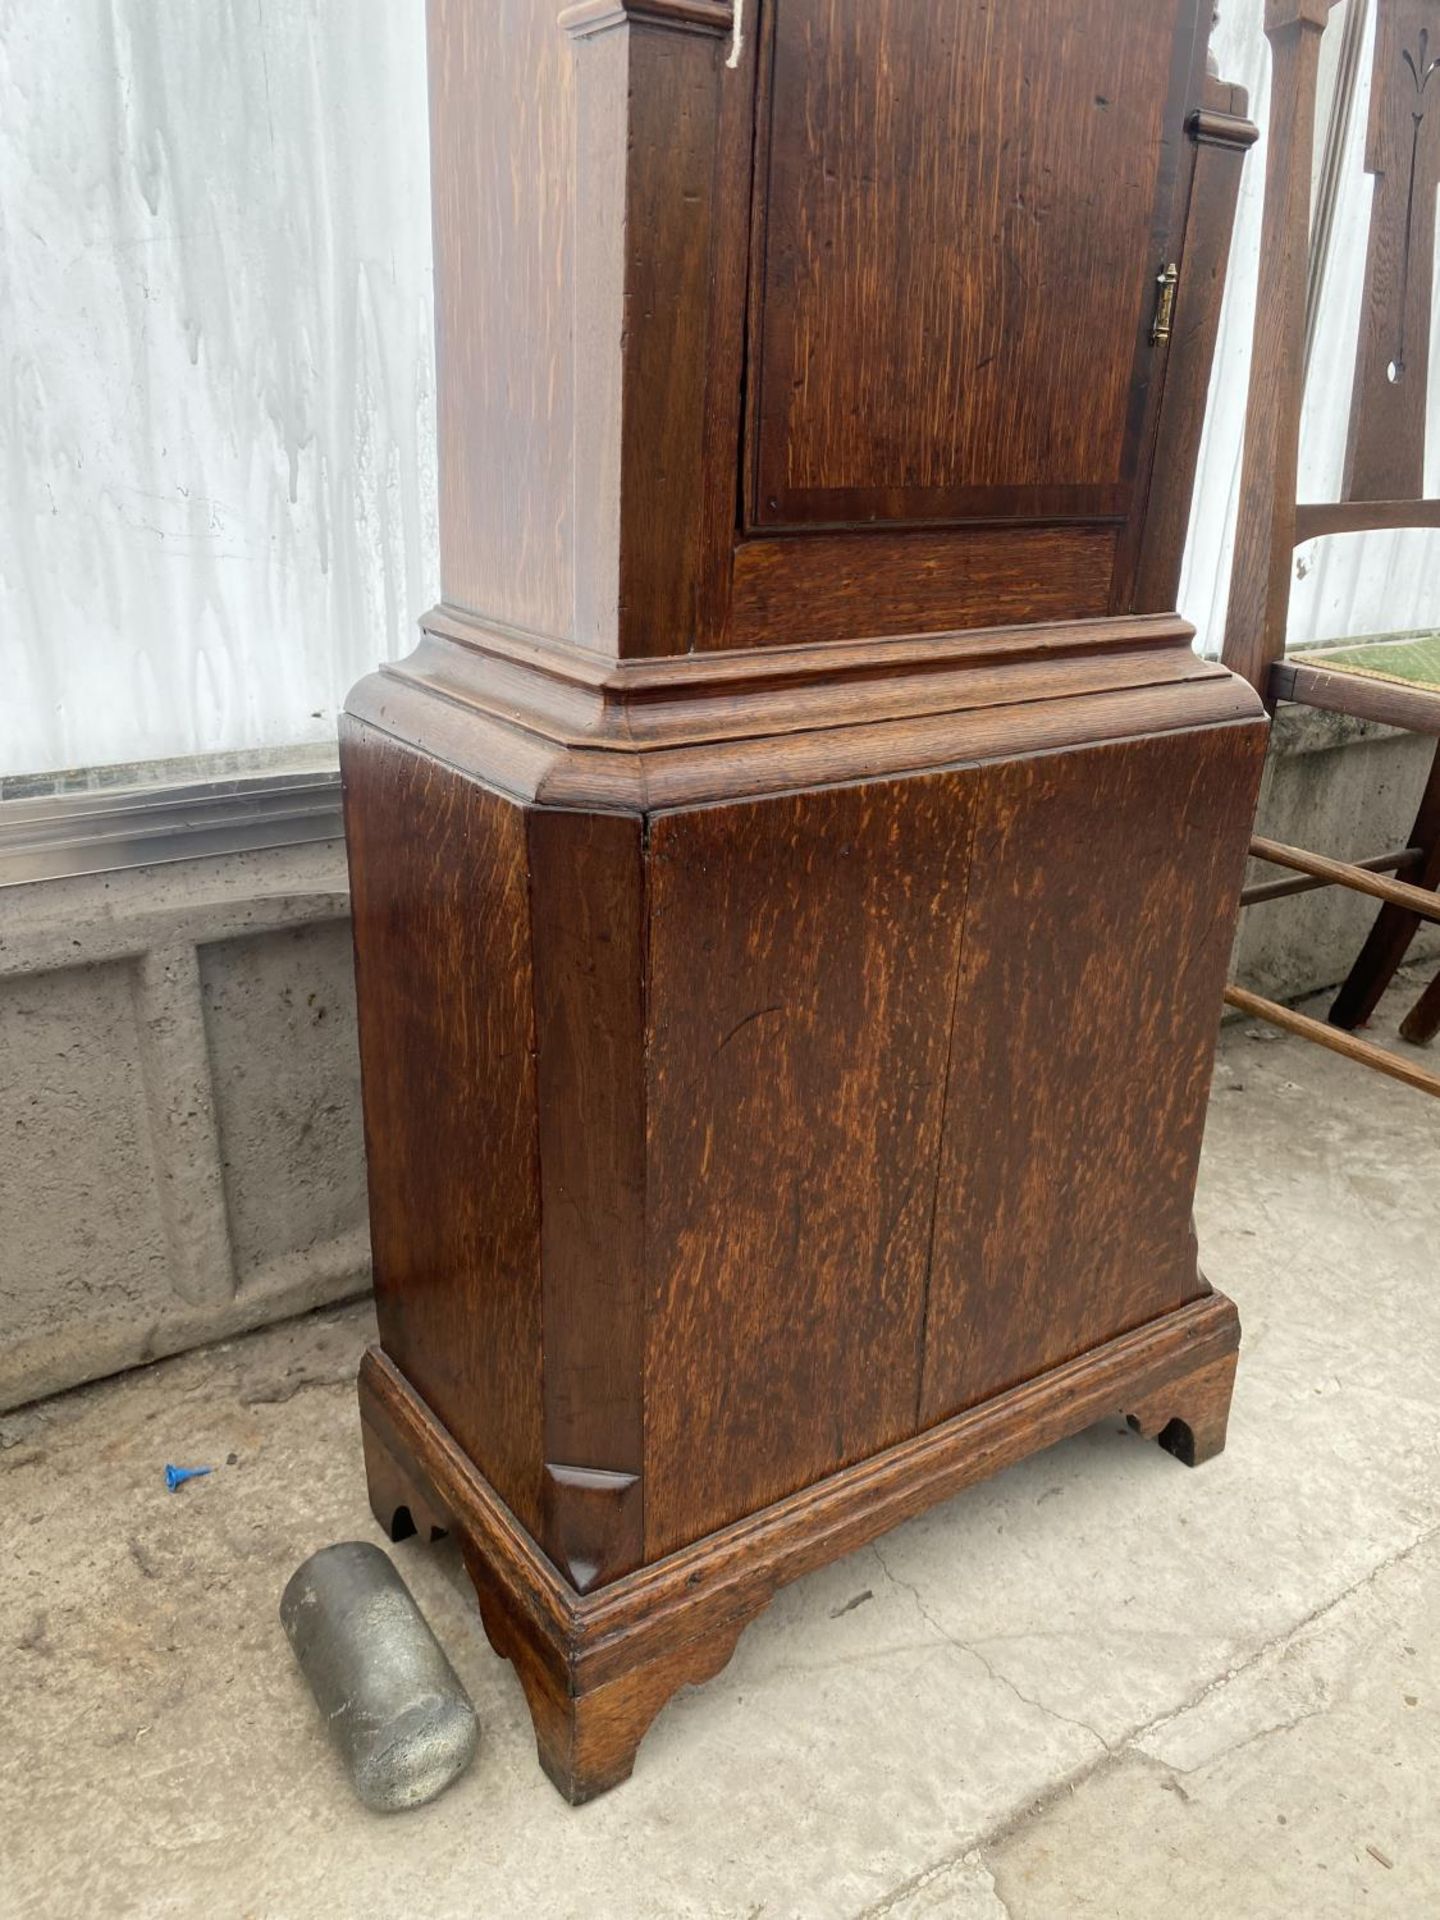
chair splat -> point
(1385, 456)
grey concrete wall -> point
(1338, 786)
(179, 1110)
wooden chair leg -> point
(1394, 927)
(1422, 1022)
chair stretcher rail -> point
(1345, 873)
(1364, 1051)
(1400, 861)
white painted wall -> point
(217, 475)
(1351, 584)
(217, 467)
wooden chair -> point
(1383, 480)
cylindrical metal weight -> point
(390, 1699)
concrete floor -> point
(1099, 1685)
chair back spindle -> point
(1384, 475)
(1265, 529)
(1385, 457)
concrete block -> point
(180, 1110)
(279, 1012)
(1338, 786)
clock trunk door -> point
(963, 208)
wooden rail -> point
(1398, 862)
(1315, 519)
(1346, 873)
(1394, 703)
(1364, 1051)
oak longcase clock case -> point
(794, 873)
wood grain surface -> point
(503, 172)
(1385, 452)
(1314, 519)
(1265, 528)
(802, 973)
(1392, 702)
(587, 907)
(673, 216)
(439, 888)
(967, 209)
(791, 882)
(596, 1668)
(1102, 905)
(842, 586)
(1390, 938)
(939, 230)
(566, 729)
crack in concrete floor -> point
(987, 1666)
(976, 1847)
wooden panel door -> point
(1084, 1040)
(962, 210)
(802, 955)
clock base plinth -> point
(598, 1667)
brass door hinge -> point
(1165, 284)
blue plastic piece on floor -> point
(175, 1477)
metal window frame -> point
(58, 836)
